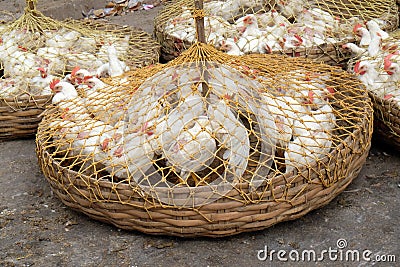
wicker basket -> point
(121, 206)
(386, 111)
(330, 53)
(386, 120)
(19, 116)
(242, 208)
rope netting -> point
(313, 29)
(36, 49)
(204, 127)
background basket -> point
(25, 99)
(386, 120)
(329, 52)
(242, 206)
(386, 110)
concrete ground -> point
(36, 229)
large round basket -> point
(21, 99)
(172, 205)
(329, 50)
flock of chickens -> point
(30, 60)
(176, 128)
(376, 61)
(296, 25)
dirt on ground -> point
(36, 229)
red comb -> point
(53, 83)
(87, 78)
(41, 69)
(330, 90)
(357, 67)
(22, 48)
(386, 64)
(311, 96)
(389, 56)
(298, 38)
(74, 70)
(389, 96)
(227, 96)
(357, 27)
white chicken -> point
(284, 110)
(63, 91)
(40, 84)
(63, 38)
(251, 26)
(306, 150)
(232, 135)
(10, 87)
(130, 158)
(190, 108)
(107, 106)
(365, 35)
(230, 47)
(322, 119)
(355, 50)
(88, 142)
(291, 8)
(374, 29)
(64, 132)
(84, 59)
(225, 9)
(375, 45)
(121, 44)
(194, 148)
(7, 49)
(114, 67)
(85, 44)
(55, 57)
(367, 73)
(391, 89)
(21, 64)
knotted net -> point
(312, 29)
(36, 49)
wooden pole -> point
(201, 36)
(31, 4)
